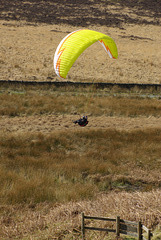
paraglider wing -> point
(71, 47)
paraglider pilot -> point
(82, 121)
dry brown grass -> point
(47, 221)
(26, 53)
(30, 100)
(48, 177)
(76, 165)
(45, 177)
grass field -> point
(52, 170)
(49, 163)
(27, 54)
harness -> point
(83, 124)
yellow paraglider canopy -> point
(71, 47)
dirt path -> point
(50, 123)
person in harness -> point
(82, 121)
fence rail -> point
(135, 229)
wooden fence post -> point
(118, 226)
(83, 230)
(149, 234)
(139, 231)
(135, 229)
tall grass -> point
(77, 165)
(63, 221)
(17, 101)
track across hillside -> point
(51, 123)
